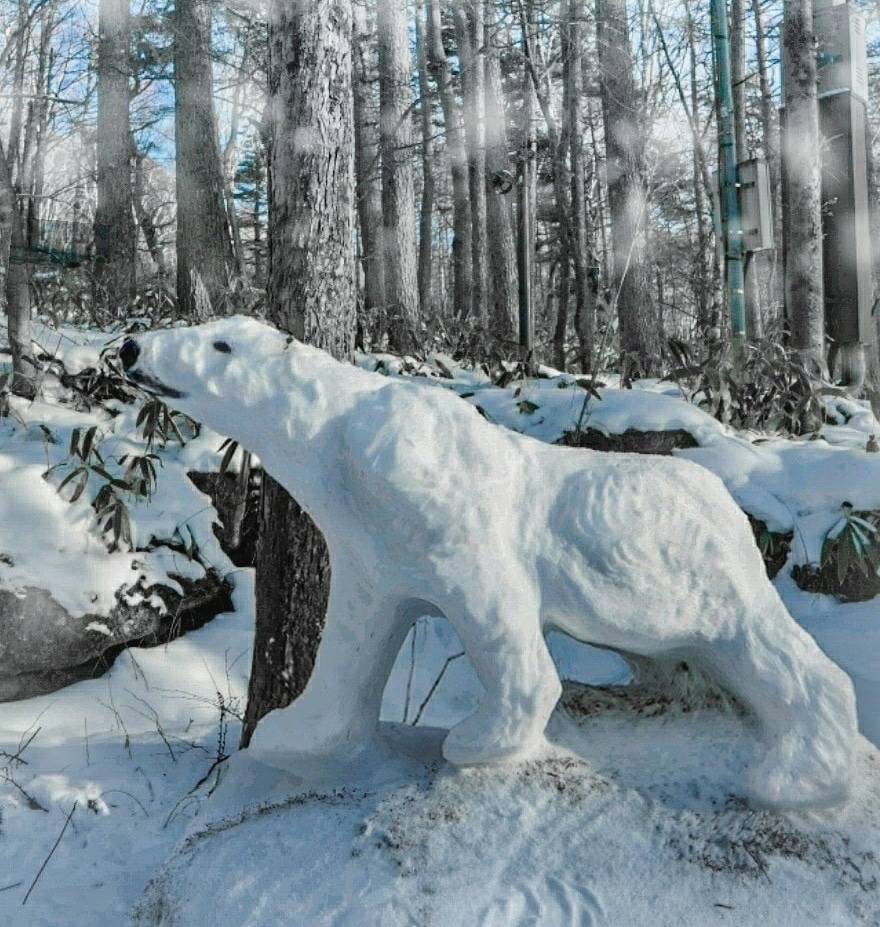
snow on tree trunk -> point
(398, 181)
(627, 191)
(204, 246)
(802, 168)
(312, 296)
(114, 222)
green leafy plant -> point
(852, 543)
(768, 388)
(774, 546)
(159, 424)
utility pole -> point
(732, 221)
(843, 120)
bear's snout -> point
(129, 353)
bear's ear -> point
(222, 347)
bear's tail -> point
(805, 704)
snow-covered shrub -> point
(769, 388)
(850, 562)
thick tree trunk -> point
(469, 32)
(312, 296)
(455, 149)
(802, 168)
(367, 168)
(627, 191)
(204, 246)
(426, 211)
(114, 221)
(499, 210)
(398, 181)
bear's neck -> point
(300, 437)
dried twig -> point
(51, 853)
(433, 689)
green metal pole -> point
(728, 172)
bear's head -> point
(227, 368)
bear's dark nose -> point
(129, 353)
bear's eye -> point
(222, 347)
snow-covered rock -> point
(43, 647)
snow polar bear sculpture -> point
(429, 509)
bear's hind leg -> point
(522, 689)
(805, 706)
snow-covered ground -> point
(631, 817)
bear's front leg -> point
(336, 717)
(522, 689)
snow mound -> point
(650, 830)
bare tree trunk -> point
(803, 185)
(22, 36)
(367, 168)
(312, 296)
(204, 246)
(469, 32)
(708, 321)
(562, 194)
(114, 223)
(627, 191)
(257, 213)
(426, 213)
(499, 216)
(461, 213)
(144, 217)
(32, 174)
(769, 122)
(398, 182)
(562, 185)
(584, 317)
(18, 303)
(230, 151)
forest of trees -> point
(141, 146)
(519, 179)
